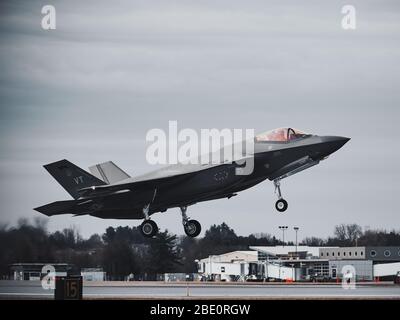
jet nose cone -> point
(331, 144)
(335, 140)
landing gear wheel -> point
(281, 205)
(149, 228)
(192, 228)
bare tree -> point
(354, 231)
(340, 232)
(348, 233)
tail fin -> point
(109, 172)
(71, 177)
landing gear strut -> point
(192, 227)
(281, 205)
(148, 228)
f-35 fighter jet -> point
(110, 193)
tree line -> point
(123, 250)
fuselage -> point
(272, 160)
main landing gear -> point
(192, 227)
(281, 204)
(148, 228)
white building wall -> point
(386, 269)
(233, 269)
(93, 276)
(363, 268)
(345, 253)
(279, 272)
(235, 256)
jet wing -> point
(106, 190)
(164, 176)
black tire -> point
(149, 228)
(192, 228)
(281, 205)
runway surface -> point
(160, 290)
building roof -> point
(284, 250)
(83, 270)
(37, 267)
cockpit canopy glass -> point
(280, 135)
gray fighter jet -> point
(110, 193)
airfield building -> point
(36, 271)
(302, 263)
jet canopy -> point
(280, 135)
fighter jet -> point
(110, 193)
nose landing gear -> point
(192, 227)
(281, 204)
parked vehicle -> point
(397, 278)
(319, 278)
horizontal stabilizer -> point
(109, 172)
(58, 207)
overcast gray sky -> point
(91, 89)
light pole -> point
(296, 229)
(283, 228)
